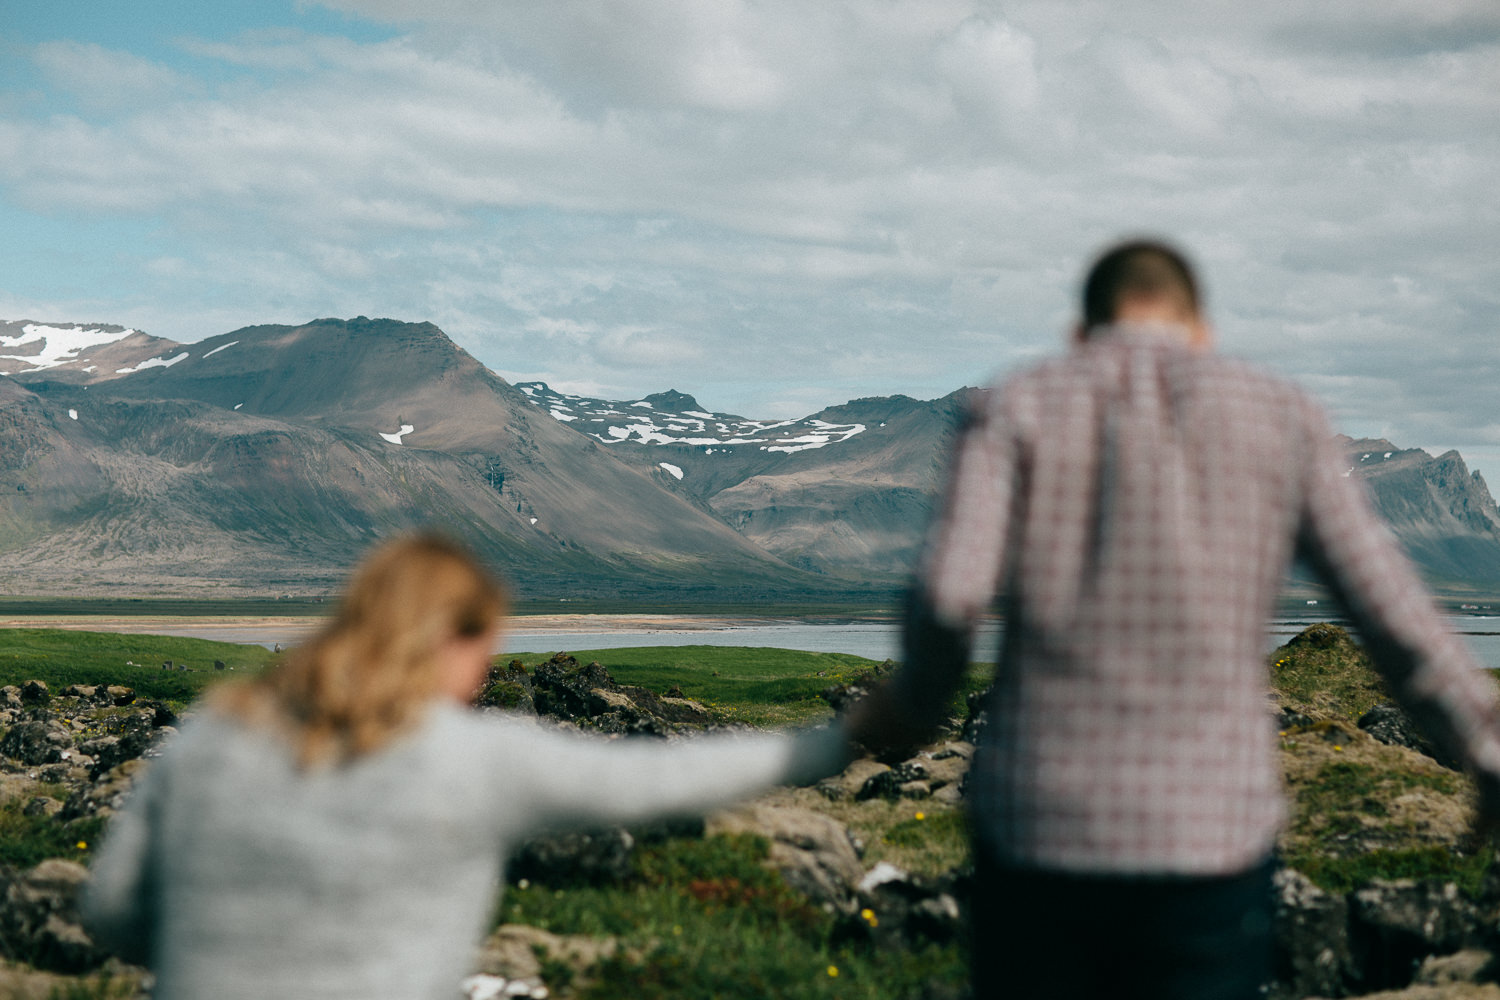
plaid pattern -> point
(1138, 503)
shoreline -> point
(624, 622)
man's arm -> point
(956, 579)
(1428, 670)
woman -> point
(337, 827)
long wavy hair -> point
(369, 674)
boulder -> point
(37, 742)
(1388, 724)
(41, 805)
(105, 794)
(888, 783)
(1310, 933)
(574, 858)
(508, 688)
(899, 910)
(35, 693)
(812, 851)
(1396, 924)
(514, 953)
(39, 922)
(1471, 965)
(853, 778)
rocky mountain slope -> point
(844, 492)
(849, 490)
(1443, 513)
(266, 459)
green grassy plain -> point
(758, 685)
(59, 657)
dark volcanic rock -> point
(37, 742)
(899, 910)
(587, 695)
(1311, 937)
(1388, 724)
(1394, 925)
(595, 857)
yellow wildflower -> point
(868, 915)
(921, 815)
(833, 971)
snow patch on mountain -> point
(51, 346)
(154, 363)
(645, 422)
(216, 350)
(671, 469)
(396, 437)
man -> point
(1137, 502)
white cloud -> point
(779, 199)
(104, 79)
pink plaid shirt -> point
(1139, 502)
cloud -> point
(776, 199)
(105, 80)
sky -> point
(776, 205)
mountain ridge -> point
(268, 458)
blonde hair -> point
(368, 675)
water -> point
(881, 640)
(875, 640)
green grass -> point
(26, 841)
(1344, 874)
(761, 686)
(705, 917)
(60, 657)
(1324, 669)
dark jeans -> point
(1043, 935)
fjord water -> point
(877, 640)
(881, 640)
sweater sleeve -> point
(592, 780)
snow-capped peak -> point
(643, 422)
(42, 346)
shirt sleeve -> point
(960, 568)
(119, 901)
(591, 780)
(1428, 669)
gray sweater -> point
(233, 873)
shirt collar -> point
(1164, 334)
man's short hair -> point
(1138, 269)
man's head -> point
(1142, 281)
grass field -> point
(696, 916)
(60, 657)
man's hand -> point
(876, 723)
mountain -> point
(1442, 513)
(846, 492)
(268, 459)
(272, 456)
(82, 352)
